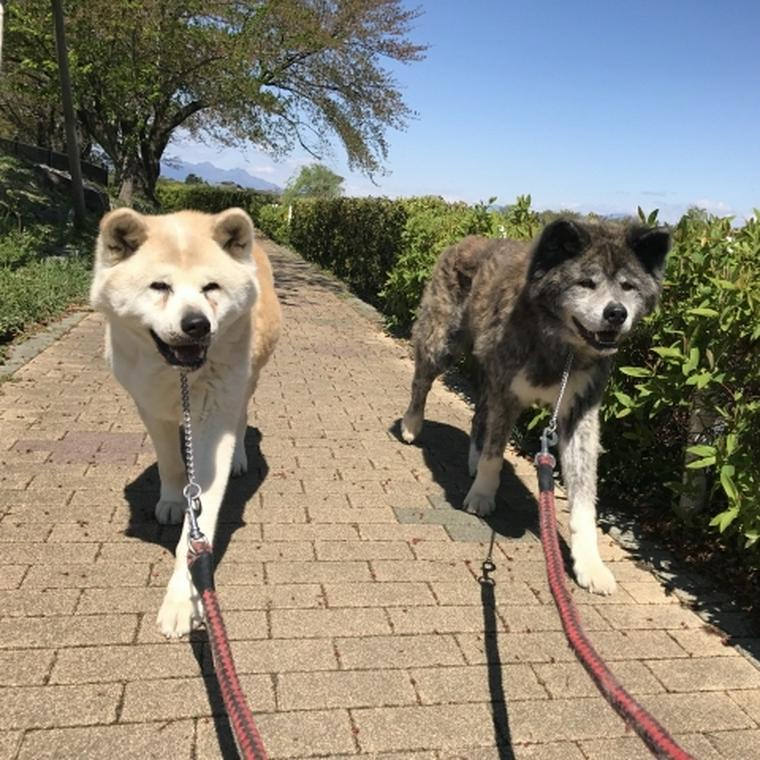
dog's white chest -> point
(528, 393)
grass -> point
(44, 262)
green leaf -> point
(724, 519)
(668, 353)
(700, 380)
(702, 311)
(731, 441)
(698, 464)
(636, 371)
(623, 398)
(728, 483)
(701, 450)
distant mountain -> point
(214, 175)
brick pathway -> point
(348, 580)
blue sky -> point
(597, 106)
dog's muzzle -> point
(187, 355)
(602, 340)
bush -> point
(176, 196)
(432, 225)
(273, 222)
(44, 261)
(39, 291)
(356, 238)
(687, 388)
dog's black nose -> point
(615, 313)
(195, 325)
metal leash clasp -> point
(549, 436)
(192, 491)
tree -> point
(274, 73)
(314, 181)
(194, 179)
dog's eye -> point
(587, 283)
(211, 286)
(627, 286)
(160, 286)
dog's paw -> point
(239, 464)
(179, 614)
(595, 576)
(411, 426)
(170, 512)
(479, 503)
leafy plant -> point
(272, 220)
(686, 396)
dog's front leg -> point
(213, 444)
(171, 469)
(500, 412)
(579, 449)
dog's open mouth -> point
(185, 355)
(603, 340)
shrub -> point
(687, 389)
(39, 291)
(273, 221)
(356, 238)
(17, 248)
(176, 196)
(432, 225)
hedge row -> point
(383, 249)
(175, 196)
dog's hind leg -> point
(426, 370)
(579, 449)
(500, 415)
(477, 431)
(239, 464)
(239, 457)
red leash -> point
(200, 559)
(646, 726)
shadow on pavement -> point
(142, 494)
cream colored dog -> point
(187, 291)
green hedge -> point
(175, 196)
(383, 249)
(356, 238)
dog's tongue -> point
(188, 354)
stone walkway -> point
(347, 577)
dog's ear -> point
(651, 246)
(560, 240)
(233, 230)
(122, 232)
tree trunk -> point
(138, 178)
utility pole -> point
(75, 168)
